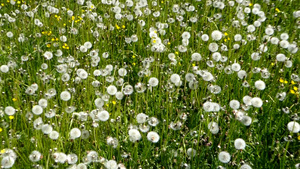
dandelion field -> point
(149, 84)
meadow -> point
(146, 84)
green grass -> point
(269, 143)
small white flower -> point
(153, 137)
(111, 164)
(7, 162)
(175, 78)
(280, 57)
(224, 157)
(236, 67)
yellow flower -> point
(169, 43)
(154, 41)
(250, 4)
(298, 137)
(226, 34)
(176, 53)
(295, 88)
(292, 91)
(272, 64)
(225, 40)
(48, 45)
(228, 38)
(133, 56)
(123, 26)
(277, 10)
(193, 64)
(281, 80)
(73, 18)
(1, 130)
(14, 99)
(117, 26)
(2, 4)
(133, 63)
(11, 117)
(114, 102)
(292, 82)
(162, 2)
(286, 82)
(2, 151)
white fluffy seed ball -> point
(260, 85)
(216, 35)
(293, 127)
(65, 96)
(37, 110)
(224, 157)
(239, 144)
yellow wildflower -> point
(292, 91)
(295, 88)
(114, 102)
(281, 80)
(11, 117)
(123, 26)
(292, 82)
(14, 99)
(1, 130)
(133, 56)
(2, 151)
(277, 10)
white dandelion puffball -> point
(213, 47)
(142, 118)
(239, 144)
(35, 156)
(48, 55)
(153, 81)
(205, 37)
(112, 90)
(191, 152)
(153, 137)
(37, 110)
(9, 110)
(43, 103)
(196, 57)
(245, 166)
(4, 68)
(236, 67)
(234, 104)
(7, 162)
(213, 127)
(175, 78)
(99, 102)
(65, 96)
(54, 135)
(103, 115)
(47, 129)
(280, 57)
(293, 127)
(216, 35)
(260, 85)
(246, 120)
(134, 135)
(224, 157)
(75, 133)
(111, 164)
(256, 102)
(122, 72)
